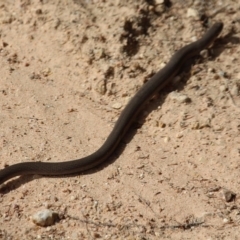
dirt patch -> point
(68, 68)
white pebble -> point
(226, 220)
(222, 88)
(117, 105)
(159, 2)
(179, 97)
(166, 139)
(45, 218)
(192, 12)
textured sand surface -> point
(68, 68)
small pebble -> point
(192, 13)
(179, 135)
(46, 72)
(45, 218)
(72, 198)
(204, 53)
(235, 90)
(159, 2)
(222, 88)
(101, 86)
(226, 220)
(217, 128)
(228, 195)
(179, 97)
(166, 139)
(117, 105)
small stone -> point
(222, 74)
(206, 122)
(72, 198)
(117, 105)
(56, 23)
(46, 72)
(217, 128)
(159, 8)
(101, 86)
(228, 195)
(196, 125)
(39, 11)
(211, 70)
(210, 195)
(45, 218)
(99, 53)
(207, 214)
(222, 88)
(159, 2)
(226, 220)
(5, 44)
(179, 97)
(192, 13)
(96, 235)
(162, 124)
(179, 135)
(204, 53)
(166, 139)
(235, 90)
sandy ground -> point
(68, 68)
